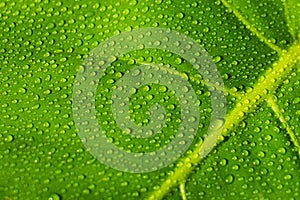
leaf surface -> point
(255, 46)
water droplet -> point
(22, 90)
(288, 177)
(282, 150)
(178, 61)
(217, 124)
(261, 154)
(180, 15)
(245, 152)
(206, 29)
(54, 196)
(217, 59)
(50, 26)
(9, 138)
(223, 162)
(229, 178)
(235, 167)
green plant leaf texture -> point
(255, 46)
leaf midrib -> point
(265, 86)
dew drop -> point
(229, 178)
(22, 90)
(206, 29)
(223, 162)
(282, 150)
(217, 124)
(54, 196)
(50, 26)
(180, 15)
(9, 138)
(217, 59)
(178, 61)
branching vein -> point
(275, 108)
(182, 191)
(266, 85)
(288, 19)
(251, 27)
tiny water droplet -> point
(217, 59)
(54, 196)
(22, 90)
(178, 61)
(180, 15)
(217, 124)
(282, 150)
(9, 138)
(229, 178)
(223, 162)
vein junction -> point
(265, 86)
(272, 103)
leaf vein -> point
(288, 19)
(251, 27)
(266, 84)
(272, 103)
(182, 191)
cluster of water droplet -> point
(42, 44)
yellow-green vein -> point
(266, 85)
(182, 191)
(272, 103)
(288, 19)
(252, 27)
(194, 79)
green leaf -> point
(267, 26)
(256, 47)
(292, 10)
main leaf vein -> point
(265, 86)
